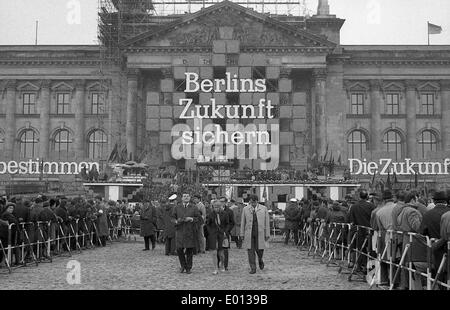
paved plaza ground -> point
(123, 265)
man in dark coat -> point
(230, 224)
(292, 218)
(148, 225)
(7, 214)
(359, 214)
(49, 219)
(186, 216)
(169, 227)
(63, 217)
(431, 224)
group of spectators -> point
(402, 212)
(208, 232)
(43, 217)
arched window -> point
(29, 144)
(357, 144)
(97, 142)
(393, 143)
(427, 142)
(63, 144)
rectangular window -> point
(357, 103)
(285, 124)
(29, 103)
(63, 103)
(97, 103)
(284, 154)
(427, 103)
(392, 104)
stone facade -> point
(365, 101)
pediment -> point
(228, 21)
(62, 86)
(28, 86)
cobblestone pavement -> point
(123, 265)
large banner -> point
(204, 135)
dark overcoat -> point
(148, 220)
(168, 222)
(292, 216)
(102, 224)
(186, 232)
(217, 233)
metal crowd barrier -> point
(38, 242)
(390, 258)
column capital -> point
(376, 85)
(445, 85)
(411, 84)
(319, 73)
(132, 74)
(167, 73)
(80, 84)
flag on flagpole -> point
(388, 182)
(264, 195)
(433, 29)
(373, 181)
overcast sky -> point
(367, 21)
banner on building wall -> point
(39, 167)
(212, 130)
(387, 166)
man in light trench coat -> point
(255, 231)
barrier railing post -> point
(49, 237)
(10, 226)
(5, 255)
(429, 264)
(391, 266)
(448, 265)
(440, 270)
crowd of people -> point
(191, 227)
(401, 212)
(33, 221)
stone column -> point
(10, 130)
(376, 103)
(131, 127)
(320, 80)
(44, 110)
(445, 121)
(411, 126)
(80, 101)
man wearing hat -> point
(255, 231)
(292, 217)
(431, 223)
(383, 222)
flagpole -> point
(428, 29)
